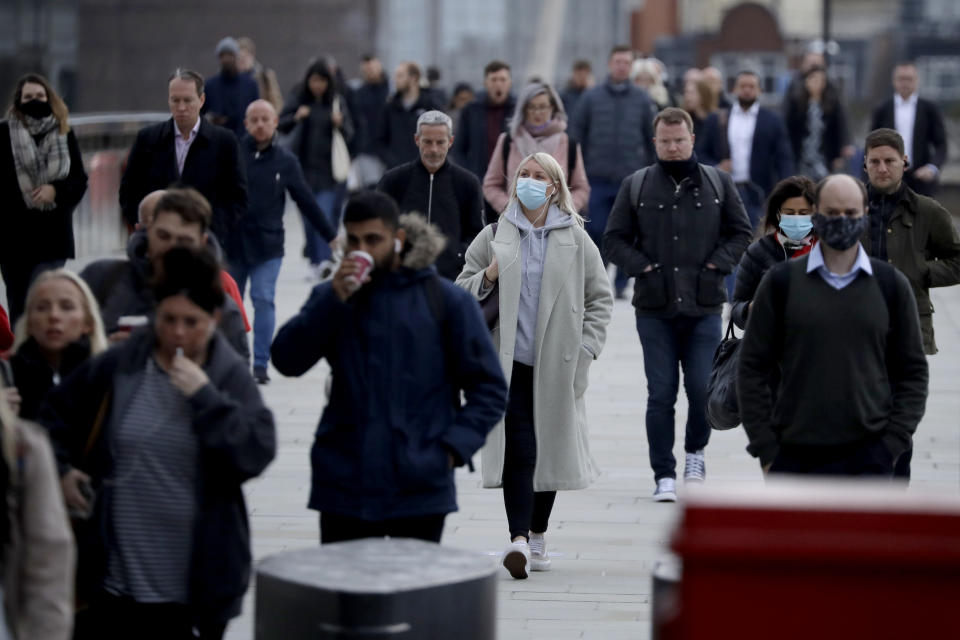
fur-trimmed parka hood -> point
(424, 241)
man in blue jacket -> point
(404, 346)
(255, 249)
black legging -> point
(527, 510)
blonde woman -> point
(59, 330)
(538, 124)
(554, 306)
(647, 73)
(37, 557)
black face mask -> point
(36, 109)
(838, 232)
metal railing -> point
(105, 140)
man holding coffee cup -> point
(403, 344)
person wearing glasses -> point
(788, 233)
(539, 124)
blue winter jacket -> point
(271, 173)
(614, 124)
(401, 350)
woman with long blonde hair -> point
(554, 306)
(58, 331)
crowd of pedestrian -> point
(462, 246)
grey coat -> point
(573, 313)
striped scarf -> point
(38, 162)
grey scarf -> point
(38, 163)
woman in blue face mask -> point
(788, 230)
(554, 304)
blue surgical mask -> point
(796, 227)
(532, 193)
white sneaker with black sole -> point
(666, 490)
(695, 469)
(516, 559)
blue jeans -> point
(263, 289)
(317, 249)
(688, 341)
(603, 193)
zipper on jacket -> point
(430, 200)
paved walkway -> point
(604, 540)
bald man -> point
(255, 249)
(839, 333)
(146, 208)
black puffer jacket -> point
(756, 261)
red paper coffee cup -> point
(365, 260)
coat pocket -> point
(581, 379)
(710, 289)
(651, 289)
(421, 468)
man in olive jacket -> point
(678, 227)
(910, 231)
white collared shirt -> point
(904, 118)
(183, 146)
(740, 131)
(838, 281)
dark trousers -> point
(17, 277)
(111, 617)
(527, 510)
(339, 528)
(669, 344)
(868, 457)
(753, 200)
(901, 469)
(603, 193)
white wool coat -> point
(574, 311)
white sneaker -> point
(516, 559)
(539, 560)
(695, 470)
(666, 490)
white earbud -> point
(397, 245)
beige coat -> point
(574, 310)
(40, 557)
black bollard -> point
(378, 588)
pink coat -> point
(497, 181)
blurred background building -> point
(114, 54)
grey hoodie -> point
(533, 253)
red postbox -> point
(800, 559)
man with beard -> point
(841, 330)
(230, 91)
(399, 116)
(404, 346)
(751, 143)
(448, 195)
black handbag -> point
(723, 409)
(490, 306)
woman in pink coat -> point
(539, 124)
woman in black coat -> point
(41, 182)
(817, 123)
(788, 233)
(309, 120)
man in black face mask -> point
(843, 332)
(229, 93)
